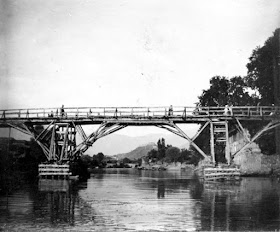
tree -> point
(153, 154)
(98, 160)
(86, 159)
(161, 148)
(126, 160)
(185, 156)
(264, 77)
(224, 91)
(217, 94)
(172, 154)
(261, 69)
(100, 157)
(195, 157)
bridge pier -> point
(219, 136)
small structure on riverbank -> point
(221, 174)
(54, 171)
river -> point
(133, 200)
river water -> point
(142, 200)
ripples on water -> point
(133, 200)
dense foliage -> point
(261, 69)
(168, 154)
(224, 91)
(257, 88)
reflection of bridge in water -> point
(57, 137)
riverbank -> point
(252, 162)
(166, 166)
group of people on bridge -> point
(227, 110)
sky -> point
(125, 52)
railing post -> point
(89, 113)
(249, 112)
(212, 143)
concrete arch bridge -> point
(60, 126)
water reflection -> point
(58, 199)
(253, 204)
(48, 185)
(161, 189)
(53, 204)
(118, 199)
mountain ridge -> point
(137, 153)
(119, 144)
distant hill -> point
(119, 144)
(137, 153)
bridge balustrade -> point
(134, 112)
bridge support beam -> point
(172, 127)
(212, 142)
(219, 136)
(63, 142)
(29, 130)
(269, 126)
(104, 129)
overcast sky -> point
(125, 52)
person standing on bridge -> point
(226, 110)
(62, 112)
(170, 112)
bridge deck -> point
(137, 115)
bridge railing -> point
(138, 112)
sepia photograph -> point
(139, 115)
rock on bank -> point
(252, 162)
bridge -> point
(60, 125)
